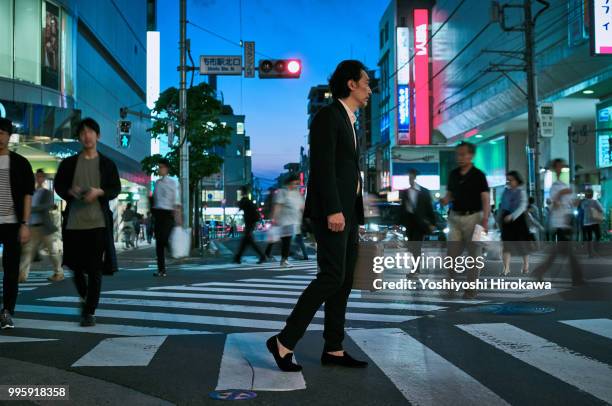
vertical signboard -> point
(249, 59)
(604, 134)
(601, 27)
(403, 82)
(421, 77)
(153, 76)
(50, 46)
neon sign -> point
(421, 77)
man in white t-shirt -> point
(561, 226)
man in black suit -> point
(417, 214)
(251, 217)
(334, 204)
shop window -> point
(6, 38)
(51, 57)
(67, 85)
(27, 48)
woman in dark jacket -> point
(87, 182)
(514, 230)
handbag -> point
(596, 215)
(180, 242)
(364, 275)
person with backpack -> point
(251, 217)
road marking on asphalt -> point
(602, 327)
(419, 373)
(277, 281)
(26, 289)
(122, 352)
(14, 339)
(29, 284)
(101, 328)
(167, 317)
(247, 364)
(252, 285)
(575, 369)
(268, 299)
(384, 318)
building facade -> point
(79, 59)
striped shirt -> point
(7, 209)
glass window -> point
(51, 57)
(6, 38)
(67, 87)
(27, 47)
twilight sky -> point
(319, 32)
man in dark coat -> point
(87, 182)
(334, 204)
(417, 214)
(251, 217)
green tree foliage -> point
(204, 132)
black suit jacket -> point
(110, 183)
(422, 215)
(334, 166)
(21, 178)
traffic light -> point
(123, 112)
(125, 131)
(280, 68)
(124, 140)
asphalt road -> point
(176, 339)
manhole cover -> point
(232, 394)
(510, 308)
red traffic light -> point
(280, 68)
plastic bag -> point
(180, 242)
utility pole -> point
(184, 152)
(532, 108)
(527, 65)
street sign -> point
(249, 59)
(221, 65)
(546, 120)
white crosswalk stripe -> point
(602, 327)
(575, 369)
(404, 359)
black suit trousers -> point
(336, 258)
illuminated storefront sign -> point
(403, 114)
(421, 77)
(604, 134)
(601, 29)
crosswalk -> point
(38, 279)
(135, 324)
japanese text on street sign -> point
(602, 27)
(249, 59)
(546, 120)
(221, 65)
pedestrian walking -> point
(149, 224)
(561, 227)
(251, 218)
(593, 217)
(335, 206)
(417, 215)
(128, 219)
(88, 181)
(166, 213)
(513, 219)
(42, 231)
(468, 191)
(287, 215)
(16, 190)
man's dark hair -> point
(41, 171)
(471, 147)
(346, 70)
(6, 125)
(413, 171)
(556, 162)
(291, 178)
(531, 200)
(128, 206)
(90, 123)
(516, 176)
(244, 190)
(164, 162)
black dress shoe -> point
(344, 361)
(284, 363)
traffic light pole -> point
(184, 152)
